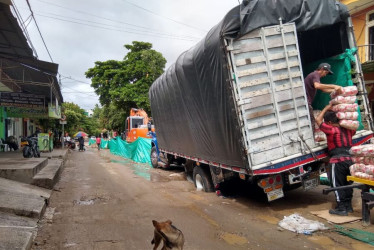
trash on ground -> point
(299, 224)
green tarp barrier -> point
(91, 142)
(104, 144)
(357, 234)
(341, 66)
(138, 151)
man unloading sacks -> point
(313, 82)
(339, 142)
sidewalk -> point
(56, 153)
(23, 204)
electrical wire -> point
(146, 29)
(37, 26)
(79, 92)
(91, 23)
(154, 13)
(21, 22)
(120, 30)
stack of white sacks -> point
(345, 107)
(363, 157)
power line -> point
(71, 78)
(103, 24)
(21, 22)
(79, 92)
(101, 17)
(37, 26)
(154, 13)
(120, 30)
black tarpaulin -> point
(192, 103)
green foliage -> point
(77, 120)
(122, 85)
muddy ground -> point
(107, 202)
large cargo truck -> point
(235, 106)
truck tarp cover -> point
(192, 104)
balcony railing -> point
(366, 54)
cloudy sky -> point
(78, 33)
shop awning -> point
(20, 68)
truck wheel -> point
(154, 157)
(202, 179)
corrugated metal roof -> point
(18, 61)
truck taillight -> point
(271, 181)
(278, 178)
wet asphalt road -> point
(107, 202)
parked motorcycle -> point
(70, 144)
(31, 148)
(12, 142)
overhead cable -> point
(147, 29)
(37, 26)
(154, 13)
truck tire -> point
(154, 157)
(202, 179)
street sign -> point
(63, 122)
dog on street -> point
(171, 236)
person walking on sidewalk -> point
(339, 142)
(98, 142)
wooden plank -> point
(266, 144)
(292, 115)
(293, 125)
(266, 133)
(271, 31)
(262, 123)
(257, 59)
(248, 47)
(254, 82)
(297, 89)
(250, 72)
(254, 34)
(284, 65)
(250, 60)
(278, 42)
(287, 76)
(260, 113)
(281, 96)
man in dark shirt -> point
(313, 82)
(339, 141)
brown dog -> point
(172, 237)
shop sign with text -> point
(21, 100)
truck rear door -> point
(270, 94)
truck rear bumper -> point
(320, 153)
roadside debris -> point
(300, 225)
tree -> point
(77, 120)
(125, 84)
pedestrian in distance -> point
(313, 82)
(98, 142)
(339, 142)
(81, 143)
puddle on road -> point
(139, 169)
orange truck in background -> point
(137, 125)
